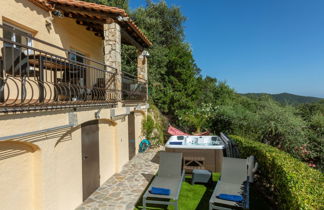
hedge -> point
(295, 185)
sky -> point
(268, 46)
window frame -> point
(29, 41)
(76, 53)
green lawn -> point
(196, 197)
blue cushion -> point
(228, 197)
(175, 143)
(160, 191)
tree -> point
(172, 69)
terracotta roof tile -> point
(93, 7)
(43, 4)
(139, 32)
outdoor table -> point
(201, 176)
(48, 62)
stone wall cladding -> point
(112, 53)
(141, 67)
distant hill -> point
(286, 98)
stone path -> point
(123, 190)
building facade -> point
(69, 116)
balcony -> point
(37, 75)
(133, 89)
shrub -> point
(148, 127)
(235, 119)
(294, 184)
(196, 118)
(317, 123)
(316, 148)
(154, 126)
(266, 121)
(280, 127)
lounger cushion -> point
(228, 197)
(227, 188)
(168, 183)
(160, 191)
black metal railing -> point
(133, 88)
(36, 73)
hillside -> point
(286, 98)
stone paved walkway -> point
(123, 190)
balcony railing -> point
(133, 88)
(32, 77)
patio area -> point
(123, 190)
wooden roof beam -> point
(98, 15)
(109, 17)
(130, 39)
(95, 21)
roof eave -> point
(42, 4)
(107, 11)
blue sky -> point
(268, 46)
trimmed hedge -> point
(295, 185)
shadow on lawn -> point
(204, 202)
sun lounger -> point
(231, 149)
(234, 182)
(169, 178)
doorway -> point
(90, 157)
(131, 135)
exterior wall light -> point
(58, 13)
(121, 19)
(145, 53)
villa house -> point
(69, 116)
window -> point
(76, 56)
(79, 58)
(17, 35)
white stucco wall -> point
(51, 177)
(139, 116)
(122, 143)
(68, 171)
(107, 151)
(17, 178)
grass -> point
(196, 197)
